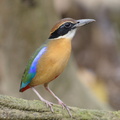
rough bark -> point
(17, 108)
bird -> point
(50, 59)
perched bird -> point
(49, 61)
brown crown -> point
(61, 22)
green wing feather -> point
(26, 78)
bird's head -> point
(66, 28)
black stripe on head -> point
(62, 30)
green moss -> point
(17, 108)
(117, 113)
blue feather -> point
(33, 67)
(31, 70)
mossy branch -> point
(16, 108)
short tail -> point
(25, 88)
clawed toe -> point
(49, 104)
(64, 106)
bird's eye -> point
(67, 25)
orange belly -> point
(53, 62)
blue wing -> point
(31, 68)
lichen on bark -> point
(17, 108)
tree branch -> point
(16, 108)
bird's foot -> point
(64, 106)
(49, 104)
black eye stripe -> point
(62, 30)
(66, 25)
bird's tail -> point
(25, 88)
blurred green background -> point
(92, 77)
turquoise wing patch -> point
(31, 68)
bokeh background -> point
(92, 77)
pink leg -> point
(49, 104)
(59, 101)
